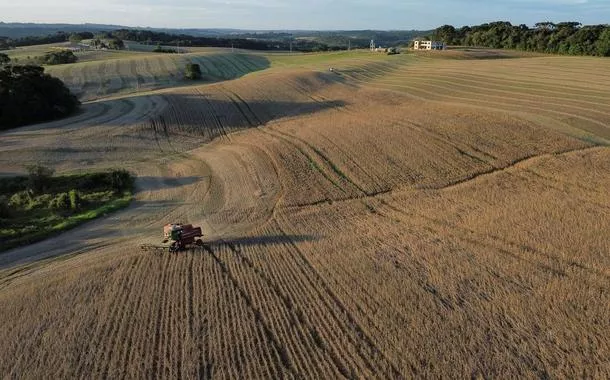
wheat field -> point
(129, 72)
(399, 217)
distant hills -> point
(19, 30)
(331, 38)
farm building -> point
(429, 45)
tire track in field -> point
(291, 307)
(266, 303)
(479, 96)
(326, 326)
(109, 333)
(506, 107)
(279, 349)
(315, 164)
(494, 170)
(395, 373)
(543, 261)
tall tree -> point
(28, 95)
(546, 37)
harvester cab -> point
(172, 232)
(181, 236)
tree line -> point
(570, 38)
(7, 43)
(28, 95)
(281, 43)
(152, 37)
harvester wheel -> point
(199, 243)
(174, 247)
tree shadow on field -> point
(150, 183)
(208, 116)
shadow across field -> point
(150, 183)
(206, 117)
(148, 71)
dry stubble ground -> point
(371, 223)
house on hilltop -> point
(429, 45)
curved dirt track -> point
(353, 232)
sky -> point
(304, 14)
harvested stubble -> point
(436, 231)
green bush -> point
(60, 202)
(5, 209)
(21, 199)
(120, 180)
(74, 199)
(58, 57)
(192, 71)
(97, 197)
(4, 59)
(116, 44)
(41, 201)
(39, 177)
(160, 49)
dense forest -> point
(28, 95)
(545, 37)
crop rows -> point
(561, 93)
(95, 79)
(433, 230)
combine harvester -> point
(180, 236)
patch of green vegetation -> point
(58, 57)
(192, 71)
(28, 95)
(41, 205)
(161, 49)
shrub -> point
(74, 199)
(5, 209)
(39, 177)
(192, 71)
(116, 44)
(58, 57)
(60, 202)
(160, 49)
(120, 180)
(41, 201)
(21, 199)
(4, 59)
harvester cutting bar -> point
(162, 249)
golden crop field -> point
(144, 72)
(399, 217)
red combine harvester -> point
(180, 236)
